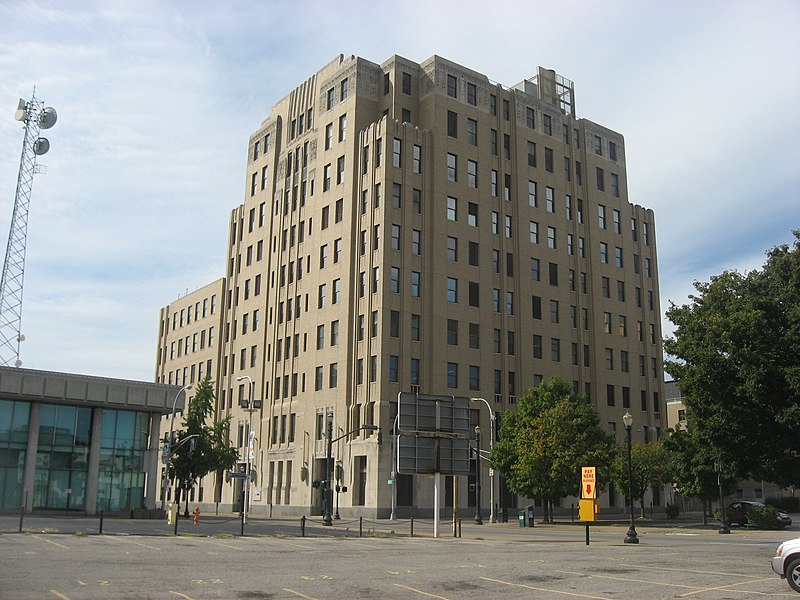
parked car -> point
(737, 513)
(786, 562)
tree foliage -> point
(736, 354)
(650, 468)
(543, 445)
(210, 450)
(693, 465)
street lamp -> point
(326, 484)
(492, 516)
(478, 519)
(167, 452)
(250, 408)
(723, 528)
(630, 537)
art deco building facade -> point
(418, 227)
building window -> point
(472, 132)
(397, 146)
(452, 124)
(452, 289)
(406, 84)
(452, 375)
(452, 86)
(472, 94)
(452, 167)
(452, 332)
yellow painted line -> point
(649, 568)
(184, 596)
(59, 595)
(732, 585)
(50, 542)
(538, 589)
(420, 591)
(299, 594)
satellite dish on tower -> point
(41, 146)
(21, 111)
(48, 117)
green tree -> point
(736, 354)
(543, 445)
(692, 464)
(650, 468)
(202, 446)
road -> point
(493, 561)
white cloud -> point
(156, 101)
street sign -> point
(237, 475)
(589, 482)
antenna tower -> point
(35, 117)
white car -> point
(786, 562)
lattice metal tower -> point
(35, 117)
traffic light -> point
(316, 483)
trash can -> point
(529, 511)
(522, 518)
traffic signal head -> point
(316, 483)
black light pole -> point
(630, 537)
(478, 519)
(723, 528)
(326, 485)
(326, 490)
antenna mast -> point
(35, 117)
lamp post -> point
(723, 528)
(630, 537)
(250, 408)
(492, 515)
(167, 452)
(326, 485)
(478, 519)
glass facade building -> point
(79, 443)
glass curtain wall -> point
(121, 480)
(62, 458)
(13, 441)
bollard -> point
(412, 526)
(241, 519)
(360, 526)
(459, 528)
(101, 522)
(175, 524)
(21, 515)
(572, 512)
(303, 526)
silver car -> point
(786, 562)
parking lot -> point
(493, 561)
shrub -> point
(718, 516)
(672, 510)
(786, 504)
(763, 516)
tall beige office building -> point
(417, 227)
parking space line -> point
(299, 594)
(732, 585)
(50, 542)
(225, 545)
(540, 589)
(126, 540)
(59, 595)
(419, 591)
(651, 568)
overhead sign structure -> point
(433, 434)
(589, 482)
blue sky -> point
(156, 101)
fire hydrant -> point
(196, 513)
